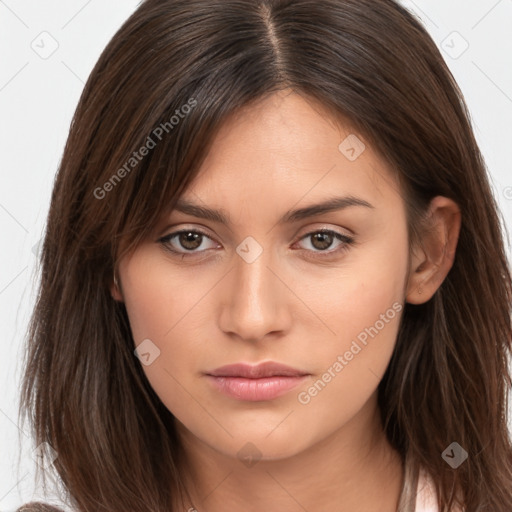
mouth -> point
(254, 383)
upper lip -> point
(267, 369)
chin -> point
(282, 443)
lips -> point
(268, 369)
(262, 382)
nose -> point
(256, 300)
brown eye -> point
(322, 240)
(189, 240)
(186, 241)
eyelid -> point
(325, 227)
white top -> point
(426, 495)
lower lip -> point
(255, 390)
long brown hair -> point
(166, 81)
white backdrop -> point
(47, 51)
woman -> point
(274, 275)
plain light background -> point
(47, 51)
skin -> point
(215, 308)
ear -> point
(433, 257)
(115, 290)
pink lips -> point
(264, 381)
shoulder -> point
(37, 506)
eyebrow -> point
(330, 205)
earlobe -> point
(432, 261)
(115, 290)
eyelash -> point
(347, 242)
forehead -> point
(287, 150)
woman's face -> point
(258, 288)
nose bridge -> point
(252, 278)
(255, 301)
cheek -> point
(350, 374)
(362, 309)
(160, 298)
(165, 307)
(171, 366)
(367, 285)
